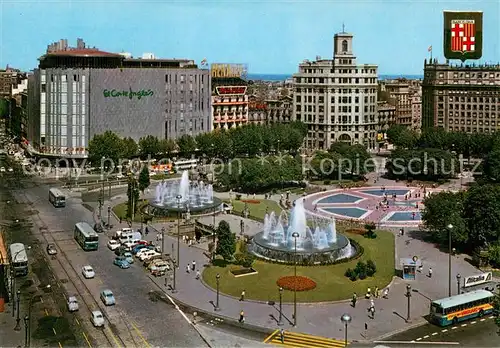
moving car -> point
(113, 244)
(72, 304)
(128, 257)
(97, 319)
(121, 262)
(51, 249)
(107, 297)
(88, 272)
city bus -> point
(86, 237)
(185, 165)
(18, 259)
(451, 310)
(57, 198)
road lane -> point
(156, 323)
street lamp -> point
(109, 216)
(26, 323)
(458, 283)
(178, 197)
(280, 321)
(174, 290)
(295, 235)
(217, 280)
(450, 227)
(408, 295)
(346, 319)
(18, 320)
(214, 240)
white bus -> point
(57, 198)
(185, 165)
(18, 259)
(86, 236)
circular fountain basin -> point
(167, 208)
(306, 254)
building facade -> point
(416, 110)
(257, 111)
(229, 102)
(80, 92)
(461, 97)
(279, 110)
(386, 114)
(337, 98)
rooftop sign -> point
(228, 70)
(231, 90)
(115, 93)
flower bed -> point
(251, 201)
(360, 231)
(298, 283)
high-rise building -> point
(463, 97)
(77, 93)
(400, 93)
(337, 98)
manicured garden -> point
(257, 208)
(331, 283)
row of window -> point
(473, 122)
(340, 100)
(339, 90)
(321, 135)
(322, 80)
(469, 114)
(473, 75)
(184, 78)
(340, 108)
(341, 71)
(471, 107)
(472, 99)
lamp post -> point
(346, 319)
(295, 235)
(178, 197)
(408, 295)
(26, 323)
(12, 287)
(109, 217)
(280, 321)
(458, 283)
(174, 265)
(217, 280)
(214, 241)
(450, 227)
(18, 320)
(163, 242)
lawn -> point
(257, 209)
(332, 285)
(121, 210)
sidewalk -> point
(8, 336)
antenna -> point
(343, 27)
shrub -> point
(360, 231)
(247, 260)
(299, 283)
(362, 275)
(326, 182)
(360, 268)
(349, 272)
(371, 268)
(353, 277)
(238, 196)
(370, 230)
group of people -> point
(192, 268)
(370, 296)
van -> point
(122, 231)
(129, 236)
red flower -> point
(298, 283)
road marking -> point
(99, 280)
(140, 334)
(463, 325)
(419, 339)
(86, 339)
(426, 336)
(271, 336)
(454, 327)
(78, 322)
(444, 330)
(60, 345)
(55, 333)
(482, 319)
(434, 333)
(114, 338)
(41, 299)
(473, 322)
(46, 313)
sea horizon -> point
(283, 77)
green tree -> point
(205, 143)
(186, 144)
(226, 241)
(130, 148)
(107, 145)
(491, 165)
(144, 180)
(133, 196)
(401, 136)
(167, 146)
(4, 108)
(149, 145)
(222, 144)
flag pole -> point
(431, 54)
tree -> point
(186, 144)
(491, 165)
(149, 146)
(401, 136)
(130, 148)
(133, 196)
(4, 108)
(144, 180)
(226, 244)
(167, 146)
(107, 145)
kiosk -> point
(410, 267)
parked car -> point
(154, 258)
(97, 319)
(159, 268)
(139, 247)
(88, 272)
(128, 257)
(51, 249)
(121, 262)
(113, 244)
(120, 250)
(72, 304)
(148, 254)
(107, 297)
(143, 251)
(130, 244)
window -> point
(344, 46)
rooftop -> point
(84, 52)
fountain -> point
(183, 194)
(317, 241)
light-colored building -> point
(279, 110)
(416, 110)
(337, 98)
(386, 117)
(229, 102)
(464, 97)
(257, 110)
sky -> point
(271, 37)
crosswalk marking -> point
(295, 339)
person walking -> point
(354, 300)
(386, 293)
(368, 293)
(242, 296)
(197, 274)
(372, 303)
(193, 265)
(242, 317)
(376, 292)
(187, 268)
(372, 311)
(147, 230)
(430, 272)
(282, 336)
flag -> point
(204, 61)
(429, 49)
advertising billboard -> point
(228, 70)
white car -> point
(142, 251)
(148, 254)
(119, 176)
(97, 319)
(10, 170)
(72, 304)
(113, 244)
(130, 244)
(2, 169)
(88, 272)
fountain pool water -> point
(317, 241)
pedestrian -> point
(147, 230)
(197, 274)
(420, 268)
(372, 303)
(120, 219)
(430, 272)
(193, 265)
(372, 311)
(354, 300)
(242, 296)
(282, 336)
(386, 293)
(376, 292)
(368, 293)
(187, 268)
(242, 317)
(402, 231)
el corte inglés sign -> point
(115, 93)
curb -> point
(419, 323)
